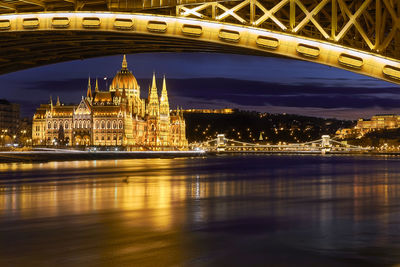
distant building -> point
(377, 122)
(117, 117)
(9, 121)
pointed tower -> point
(124, 63)
(153, 104)
(51, 103)
(96, 89)
(164, 121)
(164, 104)
(89, 90)
(58, 101)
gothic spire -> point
(153, 84)
(164, 105)
(96, 89)
(58, 101)
(154, 107)
(89, 89)
(164, 89)
(124, 63)
(153, 91)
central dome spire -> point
(124, 63)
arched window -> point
(97, 125)
(108, 125)
(114, 125)
(88, 124)
(66, 125)
(121, 125)
(55, 125)
(49, 126)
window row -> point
(108, 138)
(109, 125)
(66, 124)
(85, 124)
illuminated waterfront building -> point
(118, 117)
(377, 122)
(385, 121)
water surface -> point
(232, 211)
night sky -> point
(203, 80)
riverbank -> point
(70, 155)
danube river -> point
(231, 211)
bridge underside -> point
(34, 39)
(31, 49)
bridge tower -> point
(325, 143)
(221, 142)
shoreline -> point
(72, 155)
(75, 155)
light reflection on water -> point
(212, 211)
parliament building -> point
(117, 117)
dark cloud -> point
(58, 86)
(200, 92)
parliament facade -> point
(118, 117)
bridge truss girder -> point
(369, 25)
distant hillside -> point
(377, 138)
(247, 125)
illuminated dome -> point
(125, 80)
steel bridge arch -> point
(33, 39)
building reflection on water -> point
(317, 205)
